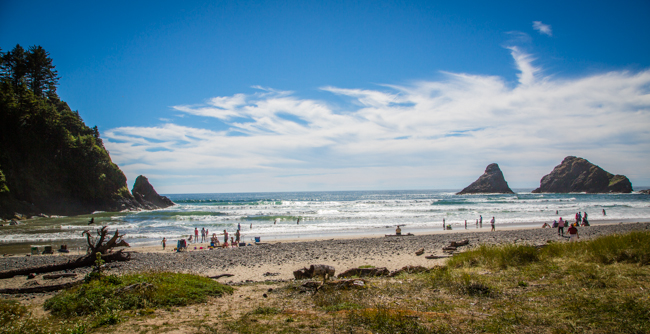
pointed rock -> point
(492, 181)
(146, 195)
(579, 175)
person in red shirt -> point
(573, 233)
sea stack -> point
(579, 175)
(146, 195)
(491, 182)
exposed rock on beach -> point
(492, 181)
(579, 175)
(147, 196)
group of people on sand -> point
(214, 240)
(479, 223)
(580, 220)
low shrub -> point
(148, 290)
(501, 256)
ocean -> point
(274, 216)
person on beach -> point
(196, 235)
(225, 238)
(164, 242)
(492, 223)
(585, 222)
(232, 242)
(202, 234)
(560, 227)
(238, 226)
(398, 231)
(189, 239)
(604, 213)
(215, 240)
(477, 223)
(251, 226)
(546, 225)
(298, 221)
(465, 223)
(443, 224)
(237, 237)
(480, 222)
(573, 233)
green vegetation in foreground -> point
(105, 299)
(595, 286)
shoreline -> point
(277, 261)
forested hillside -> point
(50, 161)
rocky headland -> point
(579, 175)
(146, 195)
(491, 182)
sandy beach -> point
(277, 261)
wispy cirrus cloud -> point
(542, 28)
(429, 134)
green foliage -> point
(266, 310)
(384, 320)
(107, 295)
(49, 156)
(501, 256)
(15, 319)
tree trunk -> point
(85, 261)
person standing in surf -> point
(480, 222)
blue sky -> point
(233, 96)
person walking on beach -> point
(477, 223)
(573, 234)
(492, 223)
(560, 227)
(225, 238)
(465, 223)
(237, 237)
(443, 224)
(196, 234)
(480, 222)
(164, 242)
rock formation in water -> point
(147, 196)
(579, 175)
(492, 181)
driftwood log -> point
(315, 270)
(222, 275)
(459, 243)
(55, 276)
(39, 289)
(85, 261)
(96, 245)
(420, 252)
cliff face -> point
(579, 175)
(146, 195)
(51, 162)
(492, 181)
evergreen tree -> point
(14, 66)
(40, 71)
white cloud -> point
(542, 28)
(430, 134)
